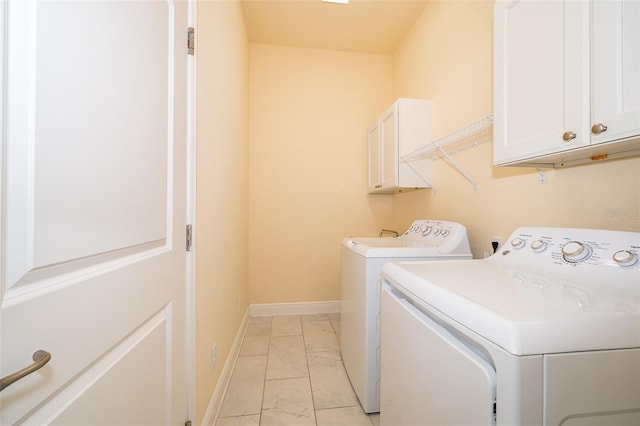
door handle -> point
(40, 358)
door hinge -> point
(189, 237)
(191, 40)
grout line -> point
(306, 360)
(266, 367)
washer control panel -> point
(423, 230)
(573, 247)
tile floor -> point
(290, 372)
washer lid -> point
(424, 238)
(524, 311)
(398, 247)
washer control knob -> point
(426, 231)
(539, 246)
(518, 243)
(437, 232)
(625, 258)
(445, 232)
(575, 251)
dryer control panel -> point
(584, 252)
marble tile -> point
(258, 326)
(329, 382)
(253, 420)
(287, 358)
(314, 317)
(319, 336)
(335, 322)
(244, 392)
(255, 345)
(287, 402)
(288, 325)
(351, 416)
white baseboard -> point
(298, 308)
(215, 403)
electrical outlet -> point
(214, 356)
(496, 240)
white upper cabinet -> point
(401, 129)
(566, 81)
(616, 69)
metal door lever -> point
(40, 358)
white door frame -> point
(190, 334)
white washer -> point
(544, 332)
(362, 260)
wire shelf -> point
(465, 137)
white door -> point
(94, 200)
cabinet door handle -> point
(598, 128)
(40, 358)
(567, 136)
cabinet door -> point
(373, 149)
(616, 69)
(389, 147)
(541, 74)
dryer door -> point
(427, 376)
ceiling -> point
(365, 26)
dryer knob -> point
(575, 251)
(518, 243)
(539, 246)
(625, 258)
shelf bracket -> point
(420, 176)
(458, 168)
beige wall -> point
(222, 187)
(447, 57)
(309, 111)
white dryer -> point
(362, 261)
(544, 332)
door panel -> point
(85, 398)
(94, 211)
